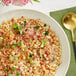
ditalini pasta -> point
(28, 47)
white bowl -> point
(62, 70)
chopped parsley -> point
(2, 40)
(16, 58)
(1, 47)
(6, 69)
(36, 27)
(46, 32)
(30, 55)
(18, 74)
(20, 30)
(14, 45)
(41, 41)
(44, 25)
(30, 59)
(15, 26)
(45, 43)
(19, 44)
(13, 68)
(10, 57)
(40, 57)
(9, 74)
(5, 44)
(24, 23)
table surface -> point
(45, 6)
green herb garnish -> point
(45, 43)
(30, 59)
(16, 58)
(30, 55)
(20, 30)
(36, 0)
(5, 44)
(14, 45)
(44, 25)
(46, 32)
(36, 27)
(1, 47)
(13, 68)
(18, 74)
(41, 41)
(15, 26)
(24, 23)
(2, 40)
(19, 44)
(40, 57)
(10, 57)
(9, 74)
(6, 69)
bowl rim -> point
(51, 18)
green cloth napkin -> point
(58, 15)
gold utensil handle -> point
(74, 44)
(73, 36)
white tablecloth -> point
(44, 6)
